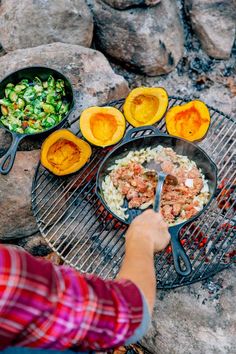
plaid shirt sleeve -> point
(44, 306)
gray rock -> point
(196, 319)
(89, 71)
(149, 40)
(30, 23)
(16, 218)
(214, 23)
(123, 4)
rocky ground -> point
(196, 319)
(188, 47)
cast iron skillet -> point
(30, 73)
(182, 147)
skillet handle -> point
(8, 159)
(128, 135)
(179, 253)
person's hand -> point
(149, 227)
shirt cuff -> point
(142, 329)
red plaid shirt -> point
(44, 306)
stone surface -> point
(214, 23)
(16, 218)
(196, 319)
(92, 77)
(149, 40)
(124, 4)
(30, 23)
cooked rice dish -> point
(129, 184)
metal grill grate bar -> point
(60, 197)
(60, 227)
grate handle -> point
(179, 253)
(131, 132)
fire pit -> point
(77, 227)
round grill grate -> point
(79, 229)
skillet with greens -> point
(32, 107)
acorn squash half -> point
(145, 105)
(189, 121)
(63, 153)
(102, 126)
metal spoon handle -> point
(157, 200)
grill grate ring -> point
(79, 229)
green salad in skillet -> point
(32, 107)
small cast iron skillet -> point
(30, 73)
(182, 147)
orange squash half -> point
(189, 121)
(145, 105)
(102, 126)
(63, 153)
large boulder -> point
(16, 218)
(124, 4)
(29, 23)
(147, 39)
(214, 23)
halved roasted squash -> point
(63, 153)
(102, 126)
(189, 121)
(145, 105)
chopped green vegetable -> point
(32, 107)
(29, 109)
(37, 81)
(51, 81)
(58, 106)
(30, 130)
(38, 88)
(10, 85)
(7, 91)
(19, 88)
(29, 94)
(5, 102)
(20, 103)
(24, 82)
(13, 96)
(37, 106)
(4, 110)
(51, 98)
(48, 108)
(64, 108)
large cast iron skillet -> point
(182, 147)
(30, 73)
